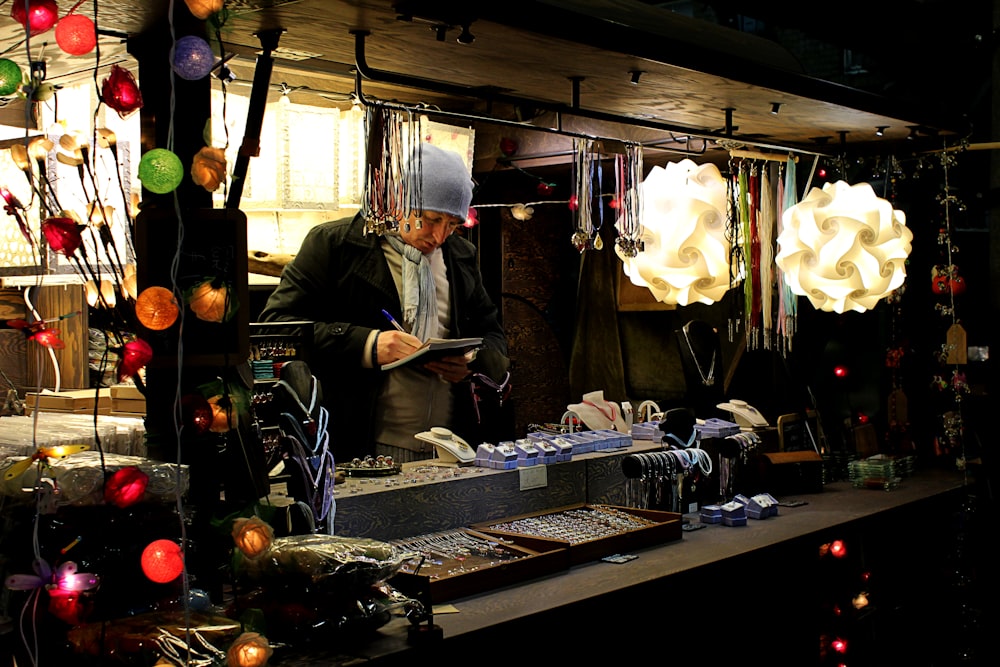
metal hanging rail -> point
(490, 95)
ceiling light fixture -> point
(843, 248)
(465, 37)
(685, 256)
(775, 107)
(880, 130)
(636, 73)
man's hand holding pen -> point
(394, 345)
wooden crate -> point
(127, 400)
(662, 527)
(126, 391)
(128, 406)
(77, 400)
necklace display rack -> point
(701, 360)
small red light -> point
(840, 371)
(472, 219)
(839, 645)
(48, 338)
(838, 549)
(821, 172)
(508, 146)
(126, 486)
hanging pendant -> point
(708, 382)
(598, 243)
(580, 241)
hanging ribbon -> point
(743, 191)
(765, 230)
(753, 208)
(734, 236)
(787, 304)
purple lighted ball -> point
(192, 58)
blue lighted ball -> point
(193, 58)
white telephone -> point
(744, 414)
(450, 448)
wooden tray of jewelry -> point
(464, 562)
(591, 532)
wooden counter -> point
(750, 593)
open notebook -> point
(437, 347)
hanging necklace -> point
(709, 379)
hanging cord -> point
(582, 202)
(387, 197)
(628, 194)
(957, 386)
(734, 239)
(177, 409)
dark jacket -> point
(340, 280)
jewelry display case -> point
(464, 562)
(591, 532)
(271, 345)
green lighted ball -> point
(10, 76)
(160, 171)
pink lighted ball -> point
(35, 15)
(75, 34)
(162, 561)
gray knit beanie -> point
(444, 182)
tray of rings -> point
(464, 562)
(370, 466)
(591, 532)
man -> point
(429, 281)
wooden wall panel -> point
(12, 343)
(538, 298)
(74, 372)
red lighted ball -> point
(162, 561)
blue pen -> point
(392, 320)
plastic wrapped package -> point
(311, 586)
(79, 479)
(342, 562)
(120, 435)
(155, 632)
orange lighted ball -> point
(162, 561)
(156, 308)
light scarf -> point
(419, 292)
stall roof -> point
(627, 69)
